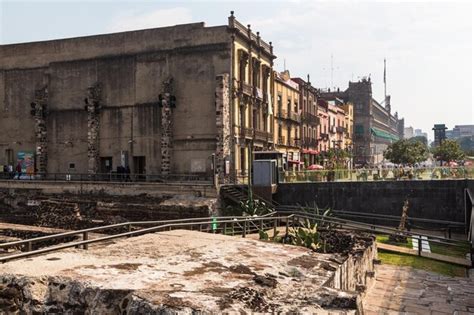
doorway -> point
(139, 167)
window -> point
(280, 103)
(72, 166)
(288, 105)
(359, 129)
(9, 156)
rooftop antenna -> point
(385, 77)
(332, 72)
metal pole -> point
(275, 222)
(245, 229)
(28, 247)
(225, 228)
(85, 237)
(419, 245)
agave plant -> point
(254, 207)
(307, 236)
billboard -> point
(27, 162)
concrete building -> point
(309, 121)
(408, 133)
(439, 133)
(420, 133)
(287, 119)
(460, 131)
(374, 125)
(158, 101)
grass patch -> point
(456, 251)
(381, 238)
(423, 263)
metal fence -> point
(109, 177)
(236, 225)
(377, 174)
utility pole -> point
(332, 72)
(385, 78)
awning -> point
(383, 134)
(294, 162)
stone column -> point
(223, 123)
(93, 128)
(166, 127)
(39, 111)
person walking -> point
(18, 169)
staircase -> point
(239, 193)
(233, 193)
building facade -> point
(374, 125)
(309, 121)
(287, 119)
(252, 96)
(408, 133)
(158, 101)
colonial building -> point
(287, 119)
(374, 125)
(349, 125)
(158, 101)
(252, 95)
(309, 121)
(323, 128)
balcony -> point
(310, 142)
(310, 119)
(246, 133)
(324, 136)
(295, 117)
(246, 88)
(281, 141)
(261, 135)
(341, 130)
(283, 114)
(294, 143)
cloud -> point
(142, 20)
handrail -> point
(112, 226)
(366, 226)
(209, 220)
(250, 224)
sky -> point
(427, 45)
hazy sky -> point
(428, 45)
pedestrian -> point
(18, 169)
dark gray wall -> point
(441, 200)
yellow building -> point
(252, 66)
(287, 120)
(349, 124)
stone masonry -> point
(39, 108)
(223, 147)
(166, 127)
(93, 127)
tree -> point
(467, 145)
(406, 152)
(449, 150)
(419, 139)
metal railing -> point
(377, 174)
(111, 177)
(231, 226)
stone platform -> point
(182, 272)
